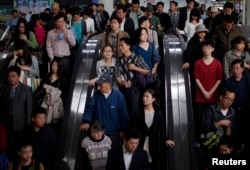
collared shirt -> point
(127, 158)
(174, 20)
(122, 25)
(222, 39)
(59, 47)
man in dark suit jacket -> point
(184, 14)
(16, 103)
(127, 24)
(128, 156)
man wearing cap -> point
(154, 20)
(224, 34)
(208, 22)
(108, 106)
(228, 9)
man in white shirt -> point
(128, 156)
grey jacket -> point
(22, 106)
(229, 57)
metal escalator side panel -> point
(80, 92)
(177, 118)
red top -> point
(3, 139)
(208, 75)
(40, 34)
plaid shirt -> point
(174, 20)
(122, 70)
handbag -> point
(143, 80)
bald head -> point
(55, 8)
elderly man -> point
(108, 106)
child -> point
(25, 161)
(42, 138)
(208, 76)
(96, 147)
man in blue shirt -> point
(109, 107)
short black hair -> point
(38, 110)
(187, 1)
(47, 9)
(44, 17)
(23, 143)
(142, 19)
(116, 18)
(237, 61)
(173, 2)
(228, 18)
(14, 11)
(14, 69)
(132, 133)
(126, 40)
(97, 126)
(122, 7)
(207, 43)
(228, 5)
(238, 40)
(226, 90)
(60, 15)
(135, 2)
(160, 3)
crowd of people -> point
(125, 126)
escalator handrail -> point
(190, 161)
(70, 129)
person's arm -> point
(142, 67)
(187, 54)
(8, 22)
(34, 69)
(215, 87)
(31, 41)
(219, 77)
(89, 113)
(155, 40)
(226, 65)
(3, 139)
(29, 105)
(197, 77)
(52, 145)
(70, 37)
(49, 46)
(205, 93)
(207, 120)
(110, 161)
(124, 116)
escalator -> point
(68, 156)
(176, 101)
(179, 120)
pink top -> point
(208, 75)
(40, 35)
